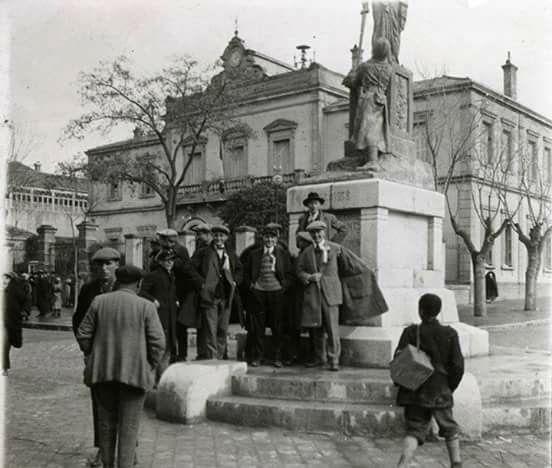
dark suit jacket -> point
(336, 230)
(86, 295)
(252, 267)
(13, 304)
(207, 265)
(329, 286)
(441, 344)
(159, 285)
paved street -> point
(49, 425)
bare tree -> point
(463, 162)
(535, 192)
(76, 179)
(176, 107)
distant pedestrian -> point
(68, 293)
(159, 287)
(491, 288)
(56, 292)
(123, 342)
(104, 264)
(27, 289)
(434, 397)
(44, 294)
(13, 304)
(221, 270)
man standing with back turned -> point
(123, 341)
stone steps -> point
(355, 419)
(533, 414)
(361, 401)
(348, 386)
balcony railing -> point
(218, 190)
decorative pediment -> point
(280, 124)
(239, 63)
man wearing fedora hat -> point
(336, 231)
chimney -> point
(37, 166)
(510, 78)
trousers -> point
(267, 309)
(214, 328)
(330, 325)
(119, 410)
(182, 338)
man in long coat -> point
(336, 231)
(317, 268)
(105, 262)
(123, 341)
(13, 303)
(221, 271)
(159, 287)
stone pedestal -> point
(245, 236)
(397, 230)
(47, 246)
(134, 250)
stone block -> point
(184, 388)
(473, 340)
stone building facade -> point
(299, 121)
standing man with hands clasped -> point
(123, 341)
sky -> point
(51, 41)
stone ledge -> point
(184, 388)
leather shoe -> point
(255, 363)
(334, 367)
(314, 364)
(277, 363)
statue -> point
(389, 20)
(369, 83)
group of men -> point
(130, 336)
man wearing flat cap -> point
(336, 231)
(123, 341)
(204, 236)
(159, 287)
(104, 262)
(317, 269)
(187, 282)
(266, 278)
(220, 270)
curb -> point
(514, 325)
(48, 326)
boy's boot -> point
(453, 447)
(410, 445)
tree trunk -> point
(479, 293)
(531, 276)
(170, 209)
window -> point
(281, 156)
(115, 190)
(420, 137)
(234, 156)
(548, 253)
(507, 155)
(281, 142)
(488, 142)
(548, 165)
(194, 174)
(533, 160)
(507, 242)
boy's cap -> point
(166, 254)
(106, 254)
(167, 233)
(202, 227)
(220, 228)
(304, 236)
(317, 226)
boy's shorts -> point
(418, 419)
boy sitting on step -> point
(434, 396)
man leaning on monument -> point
(317, 268)
(123, 341)
(335, 230)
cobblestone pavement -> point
(49, 425)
